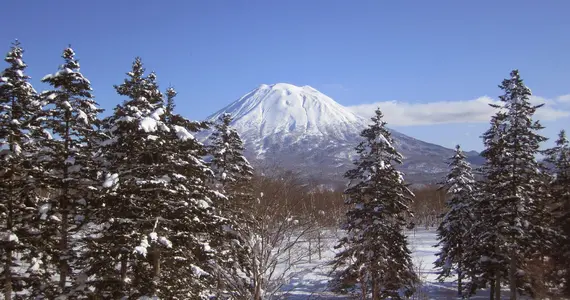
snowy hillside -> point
(303, 129)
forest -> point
(133, 206)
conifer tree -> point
(197, 226)
(375, 251)
(482, 264)
(232, 176)
(158, 216)
(125, 212)
(514, 186)
(228, 163)
(19, 111)
(453, 232)
(71, 116)
(559, 158)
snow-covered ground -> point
(310, 280)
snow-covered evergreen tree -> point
(230, 167)
(19, 112)
(482, 263)
(196, 226)
(158, 218)
(512, 219)
(232, 176)
(453, 232)
(375, 256)
(559, 158)
(70, 179)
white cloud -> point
(563, 98)
(467, 111)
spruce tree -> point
(453, 232)
(375, 251)
(125, 213)
(158, 218)
(232, 177)
(71, 116)
(559, 158)
(19, 112)
(230, 167)
(482, 263)
(514, 185)
(197, 225)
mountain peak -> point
(286, 87)
(304, 129)
(284, 108)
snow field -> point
(309, 280)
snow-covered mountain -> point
(302, 129)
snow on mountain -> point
(302, 129)
(292, 112)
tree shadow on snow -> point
(315, 286)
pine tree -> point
(19, 111)
(230, 167)
(232, 177)
(482, 263)
(559, 158)
(196, 226)
(376, 254)
(123, 214)
(158, 216)
(514, 185)
(71, 116)
(453, 232)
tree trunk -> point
(63, 246)
(319, 241)
(459, 277)
(10, 219)
(257, 288)
(492, 294)
(8, 275)
(375, 290)
(156, 265)
(256, 273)
(497, 285)
(512, 277)
(8, 250)
(63, 266)
(155, 262)
(124, 262)
(64, 209)
(310, 250)
(363, 286)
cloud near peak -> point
(467, 111)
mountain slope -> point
(302, 129)
(292, 112)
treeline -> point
(511, 227)
(132, 205)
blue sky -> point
(421, 61)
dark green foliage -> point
(70, 179)
(511, 215)
(559, 158)
(232, 176)
(158, 216)
(376, 258)
(454, 231)
(19, 131)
